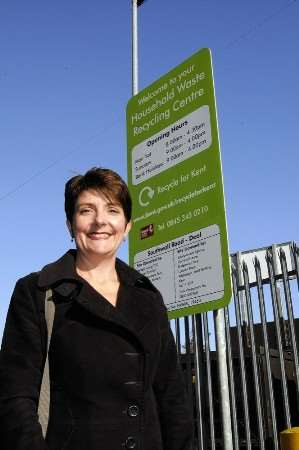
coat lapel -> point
(132, 312)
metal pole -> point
(256, 376)
(134, 48)
(242, 358)
(231, 379)
(288, 298)
(209, 381)
(199, 370)
(261, 298)
(285, 401)
(223, 379)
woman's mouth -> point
(98, 235)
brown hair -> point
(105, 181)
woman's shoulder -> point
(146, 288)
(36, 283)
(29, 281)
(27, 292)
(130, 275)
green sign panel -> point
(179, 237)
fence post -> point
(223, 379)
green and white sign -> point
(179, 237)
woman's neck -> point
(102, 270)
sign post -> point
(179, 236)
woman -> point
(115, 379)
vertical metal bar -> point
(279, 305)
(231, 380)
(287, 292)
(254, 358)
(223, 378)
(286, 406)
(242, 302)
(188, 359)
(198, 353)
(209, 380)
(134, 48)
(295, 254)
(242, 361)
(178, 336)
(257, 267)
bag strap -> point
(44, 396)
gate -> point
(262, 333)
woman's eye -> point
(85, 210)
(114, 210)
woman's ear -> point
(127, 229)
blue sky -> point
(65, 79)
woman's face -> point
(99, 225)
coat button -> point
(133, 411)
(130, 442)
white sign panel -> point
(183, 139)
(186, 270)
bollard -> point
(289, 439)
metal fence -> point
(262, 332)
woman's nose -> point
(100, 218)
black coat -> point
(115, 379)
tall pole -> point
(134, 47)
(223, 379)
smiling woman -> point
(99, 226)
(114, 374)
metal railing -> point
(262, 332)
